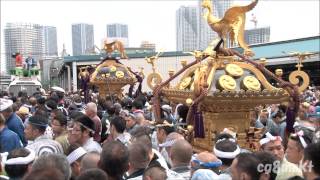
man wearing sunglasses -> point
(81, 131)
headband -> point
(298, 125)
(165, 124)
(37, 124)
(227, 155)
(206, 164)
(78, 104)
(269, 137)
(168, 143)
(76, 154)
(300, 134)
(81, 124)
(226, 139)
(228, 131)
(22, 160)
(48, 108)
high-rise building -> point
(50, 41)
(119, 32)
(82, 39)
(147, 44)
(206, 34)
(27, 39)
(186, 28)
(257, 35)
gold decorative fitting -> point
(154, 79)
(189, 101)
(183, 63)
(226, 82)
(171, 72)
(185, 83)
(251, 83)
(293, 77)
(119, 74)
(113, 68)
(234, 70)
(190, 128)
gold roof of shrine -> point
(111, 71)
(230, 83)
(110, 76)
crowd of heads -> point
(59, 136)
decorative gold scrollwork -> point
(154, 79)
(185, 83)
(293, 78)
(200, 80)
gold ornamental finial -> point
(197, 54)
(115, 46)
(183, 62)
(151, 60)
(141, 73)
(263, 61)
(232, 24)
(209, 51)
(171, 72)
(301, 57)
(299, 73)
(153, 78)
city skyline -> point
(117, 31)
(50, 40)
(257, 35)
(186, 28)
(82, 38)
(27, 39)
(153, 21)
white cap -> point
(167, 108)
(76, 154)
(22, 160)
(5, 104)
(59, 89)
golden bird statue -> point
(115, 46)
(232, 24)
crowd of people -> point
(56, 136)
